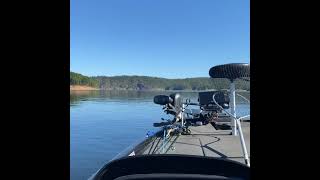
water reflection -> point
(77, 96)
(104, 123)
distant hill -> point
(79, 79)
(153, 83)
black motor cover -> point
(174, 99)
(162, 99)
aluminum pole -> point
(233, 108)
(243, 144)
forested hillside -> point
(79, 79)
(153, 83)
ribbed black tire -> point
(230, 71)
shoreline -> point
(82, 88)
(88, 88)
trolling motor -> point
(172, 104)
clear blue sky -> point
(163, 38)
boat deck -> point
(204, 141)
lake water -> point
(104, 123)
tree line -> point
(79, 79)
(154, 83)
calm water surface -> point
(104, 123)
